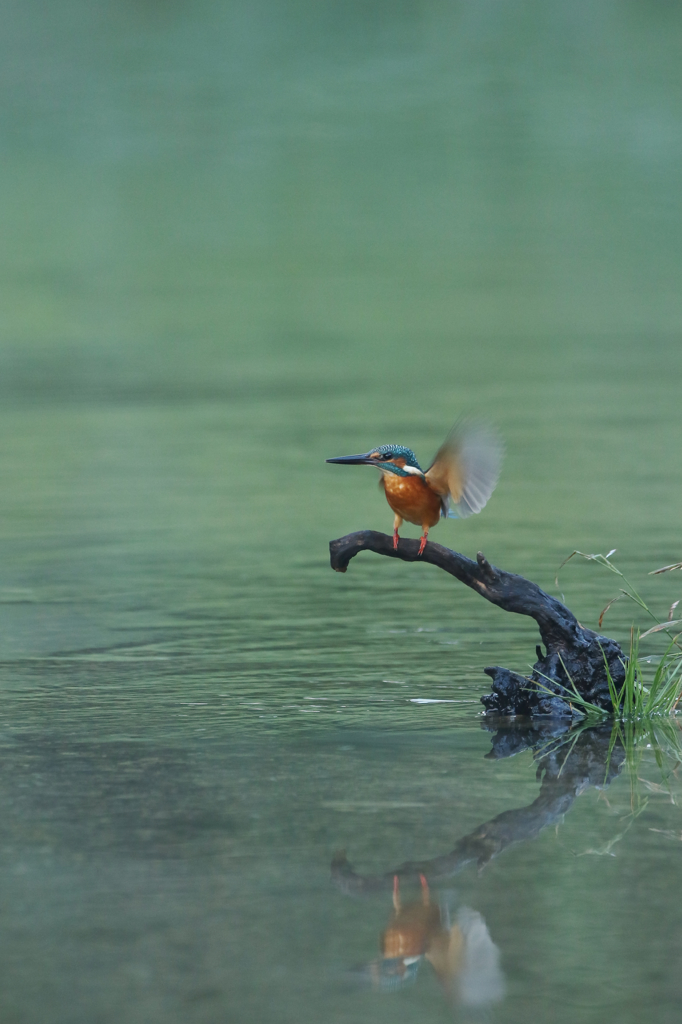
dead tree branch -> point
(575, 656)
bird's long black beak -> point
(354, 460)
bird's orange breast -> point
(412, 498)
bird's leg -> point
(396, 893)
(423, 540)
(426, 896)
(397, 523)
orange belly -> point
(412, 498)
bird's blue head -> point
(389, 458)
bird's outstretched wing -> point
(465, 468)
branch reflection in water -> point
(456, 942)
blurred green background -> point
(237, 239)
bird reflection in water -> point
(465, 959)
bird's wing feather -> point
(465, 468)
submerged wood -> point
(574, 655)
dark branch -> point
(513, 593)
(573, 653)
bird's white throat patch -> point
(385, 468)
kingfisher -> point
(458, 483)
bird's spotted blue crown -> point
(399, 451)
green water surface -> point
(237, 239)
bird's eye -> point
(387, 456)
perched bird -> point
(458, 482)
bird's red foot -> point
(396, 538)
(422, 545)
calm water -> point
(238, 239)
